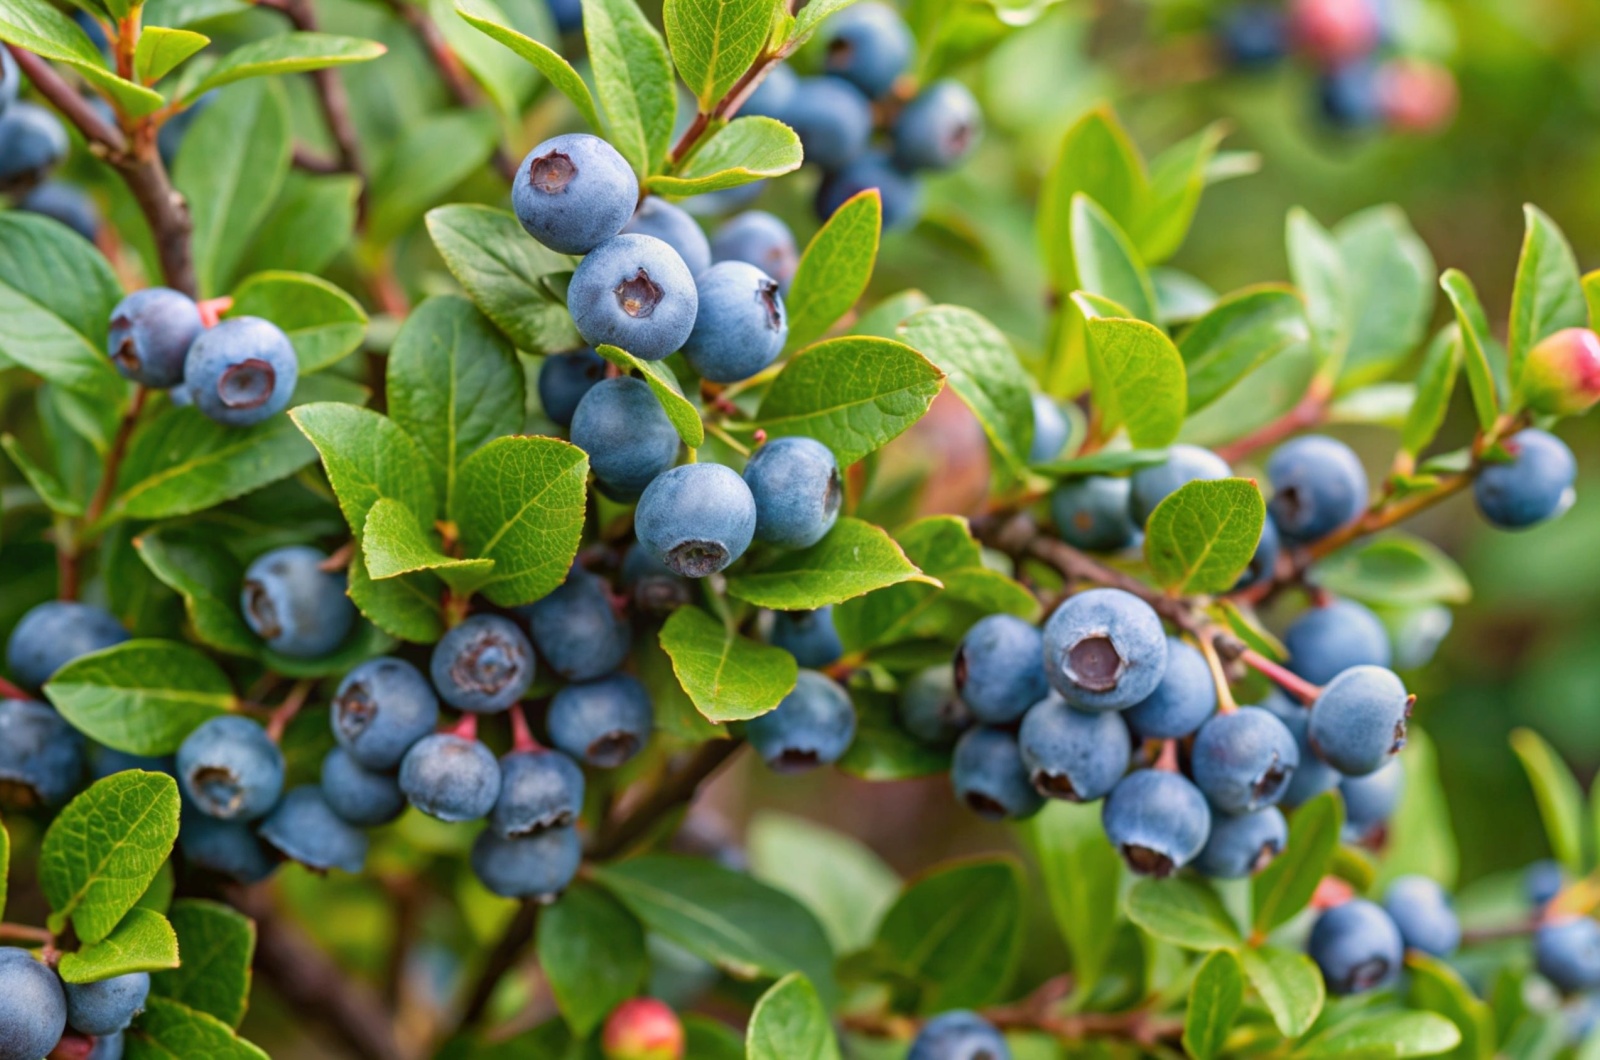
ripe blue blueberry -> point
(54, 633)
(577, 628)
(564, 378)
(230, 769)
(812, 726)
(1050, 430)
(484, 665)
(1371, 800)
(809, 636)
(241, 372)
(1071, 754)
(652, 585)
(1542, 881)
(1567, 952)
(1350, 96)
(41, 756)
(568, 15)
(1243, 845)
(1158, 821)
(1184, 464)
(774, 95)
(65, 203)
(230, 848)
(1318, 485)
(900, 192)
(574, 192)
(381, 708)
(1264, 560)
(33, 1006)
(1312, 776)
(761, 239)
(696, 518)
(938, 128)
(1180, 704)
(1253, 36)
(1424, 914)
(539, 790)
(107, 1006)
(539, 866)
(959, 1035)
(797, 490)
(451, 777)
(151, 332)
(1104, 649)
(628, 437)
(1359, 721)
(1326, 641)
(1357, 946)
(833, 120)
(294, 605)
(675, 227)
(634, 292)
(930, 708)
(364, 797)
(869, 45)
(741, 326)
(997, 669)
(304, 828)
(990, 778)
(1092, 513)
(1536, 485)
(32, 141)
(604, 722)
(1243, 760)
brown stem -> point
(118, 450)
(674, 790)
(1478, 936)
(1309, 412)
(74, 107)
(285, 712)
(501, 960)
(1391, 514)
(728, 106)
(24, 933)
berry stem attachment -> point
(466, 728)
(521, 735)
(211, 310)
(285, 712)
(1226, 704)
(1167, 758)
(11, 691)
(1296, 685)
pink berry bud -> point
(1331, 891)
(1561, 375)
(1417, 96)
(1333, 32)
(643, 1029)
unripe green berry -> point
(1561, 375)
(642, 1028)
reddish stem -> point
(11, 691)
(1167, 760)
(211, 310)
(1298, 686)
(1307, 413)
(466, 728)
(521, 735)
(285, 712)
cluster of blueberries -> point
(32, 143)
(39, 1012)
(1345, 41)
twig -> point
(674, 790)
(1309, 412)
(285, 712)
(1296, 685)
(728, 106)
(504, 957)
(24, 933)
(1478, 936)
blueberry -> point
(1312, 776)
(869, 45)
(10, 80)
(930, 708)
(1243, 845)
(696, 518)
(32, 142)
(564, 378)
(675, 227)
(1253, 36)
(1359, 721)
(41, 756)
(1422, 911)
(362, 796)
(997, 669)
(833, 120)
(241, 372)
(230, 769)
(762, 240)
(1350, 96)
(568, 15)
(484, 665)
(33, 1006)
(1104, 649)
(1318, 485)
(1243, 760)
(65, 203)
(1092, 513)
(1157, 820)
(741, 326)
(604, 722)
(899, 192)
(1180, 704)
(539, 790)
(1542, 881)
(1536, 485)
(1371, 800)
(797, 490)
(54, 633)
(574, 192)
(812, 726)
(809, 636)
(1050, 430)
(989, 776)
(1357, 946)
(577, 628)
(1326, 641)
(628, 437)
(1150, 485)
(959, 1035)
(151, 332)
(652, 585)
(107, 1006)
(774, 95)
(306, 829)
(230, 848)
(1264, 560)
(636, 293)
(538, 866)
(451, 777)
(1070, 754)
(937, 129)
(381, 708)
(1567, 952)
(294, 605)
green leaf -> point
(142, 942)
(854, 559)
(141, 696)
(744, 927)
(956, 932)
(1560, 798)
(851, 394)
(501, 269)
(1201, 536)
(811, 16)
(1390, 278)
(521, 505)
(1106, 262)
(313, 219)
(394, 543)
(835, 269)
(1421, 839)
(1096, 159)
(1139, 380)
(882, 749)
(1285, 887)
(715, 41)
(169, 1029)
(368, 456)
(745, 150)
(1082, 877)
(1395, 569)
(44, 482)
(162, 50)
(1103, 462)
(1477, 344)
(41, 342)
(633, 76)
(1184, 912)
(1290, 985)
(591, 950)
(1237, 334)
(789, 1022)
(406, 607)
(1215, 999)
(218, 945)
(104, 848)
(1436, 382)
(1591, 297)
(66, 276)
(506, 81)
(548, 62)
(1381, 1035)
(984, 372)
(1548, 295)
(1177, 179)
(729, 677)
(432, 157)
(323, 323)
(286, 53)
(836, 876)
(1437, 987)
(685, 418)
(45, 31)
(1318, 269)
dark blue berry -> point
(1180, 704)
(1157, 821)
(1312, 776)
(1051, 430)
(959, 1035)
(1567, 952)
(812, 726)
(230, 769)
(1253, 36)
(230, 848)
(774, 95)
(1104, 649)
(1371, 800)
(1534, 486)
(741, 324)
(930, 708)
(1359, 721)
(797, 489)
(151, 332)
(1422, 911)
(1243, 760)
(564, 378)
(627, 435)
(654, 587)
(294, 605)
(305, 828)
(574, 192)
(1318, 485)
(1357, 946)
(1542, 881)
(241, 372)
(1326, 641)
(675, 227)
(451, 777)
(577, 628)
(809, 636)
(869, 45)
(364, 797)
(67, 204)
(761, 239)
(32, 142)
(107, 1006)
(990, 778)
(539, 790)
(899, 192)
(1350, 96)
(41, 756)
(998, 670)
(696, 518)
(937, 129)
(53, 634)
(636, 293)
(1243, 845)
(538, 867)
(33, 1006)
(1092, 513)
(833, 120)
(382, 707)
(604, 722)
(1071, 754)
(484, 665)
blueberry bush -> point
(405, 544)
